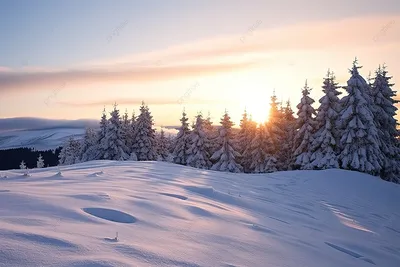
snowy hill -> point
(38, 139)
(169, 215)
(40, 134)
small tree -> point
(40, 162)
(22, 166)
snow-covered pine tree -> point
(22, 165)
(274, 125)
(126, 129)
(131, 130)
(226, 158)
(40, 162)
(113, 142)
(286, 150)
(384, 117)
(326, 138)
(198, 156)
(89, 146)
(359, 143)
(262, 160)
(144, 143)
(212, 135)
(101, 135)
(305, 129)
(162, 146)
(182, 142)
(69, 153)
(245, 137)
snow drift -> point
(107, 213)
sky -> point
(70, 59)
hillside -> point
(169, 215)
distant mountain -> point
(44, 134)
(40, 134)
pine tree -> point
(89, 146)
(327, 136)
(101, 135)
(181, 144)
(22, 166)
(113, 143)
(144, 143)
(212, 135)
(69, 153)
(126, 130)
(262, 159)
(384, 118)
(305, 129)
(162, 147)
(359, 143)
(198, 156)
(40, 162)
(286, 151)
(274, 125)
(226, 158)
(245, 137)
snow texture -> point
(113, 213)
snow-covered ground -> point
(170, 215)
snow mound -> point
(161, 214)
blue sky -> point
(67, 59)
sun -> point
(258, 110)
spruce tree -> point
(262, 159)
(274, 125)
(144, 143)
(181, 143)
(212, 135)
(305, 129)
(101, 135)
(40, 162)
(198, 156)
(22, 165)
(327, 136)
(69, 153)
(245, 137)
(285, 154)
(359, 143)
(162, 147)
(89, 146)
(384, 117)
(226, 158)
(113, 143)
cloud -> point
(217, 55)
(39, 79)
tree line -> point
(355, 132)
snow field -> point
(108, 213)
